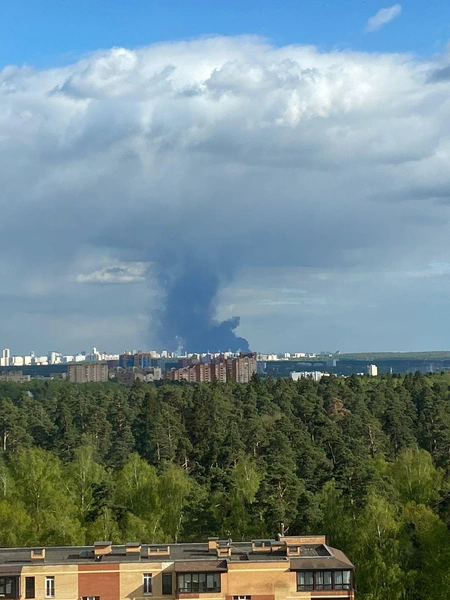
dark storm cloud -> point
(187, 165)
(440, 75)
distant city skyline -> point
(9, 358)
(246, 175)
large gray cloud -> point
(275, 169)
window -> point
(147, 583)
(8, 587)
(319, 580)
(30, 591)
(342, 580)
(323, 580)
(305, 580)
(49, 587)
(242, 598)
(167, 583)
(91, 597)
(338, 580)
(198, 582)
(347, 579)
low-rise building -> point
(129, 376)
(16, 377)
(289, 568)
(315, 375)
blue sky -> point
(54, 32)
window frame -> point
(305, 587)
(28, 592)
(167, 577)
(50, 588)
(147, 584)
(343, 585)
(198, 582)
(318, 580)
(348, 585)
(326, 583)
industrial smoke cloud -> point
(215, 176)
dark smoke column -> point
(187, 317)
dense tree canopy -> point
(364, 460)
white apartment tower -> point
(5, 360)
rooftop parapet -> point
(299, 540)
(157, 550)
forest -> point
(365, 461)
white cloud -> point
(383, 17)
(113, 274)
(436, 269)
(251, 160)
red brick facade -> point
(99, 580)
(240, 369)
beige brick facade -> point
(294, 569)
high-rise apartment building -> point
(219, 369)
(240, 369)
(53, 358)
(5, 360)
(140, 360)
(372, 370)
(289, 568)
(243, 368)
(87, 372)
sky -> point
(290, 157)
(55, 32)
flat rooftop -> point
(186, 556)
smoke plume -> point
(187, 319)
